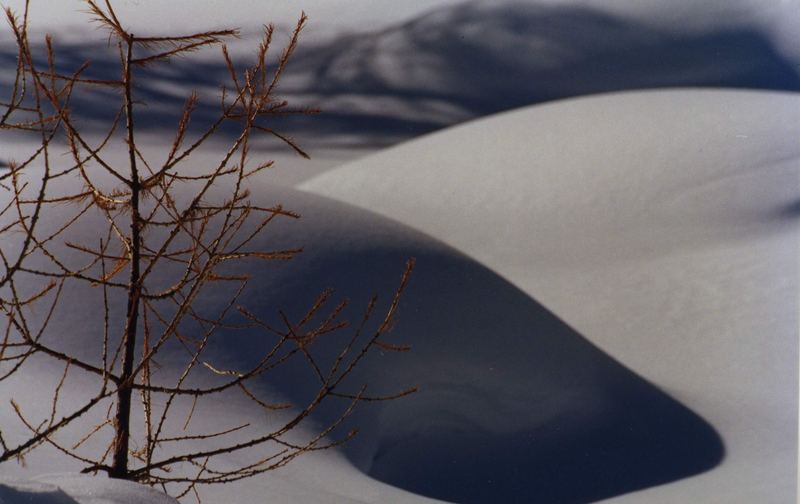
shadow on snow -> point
(514, 405)
(450, 65)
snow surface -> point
(605, 303)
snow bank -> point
(661, 226)
(78, 489)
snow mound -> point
(23, 492)
(661, 226)
(513, 402)
(657, 227)
(79, 489)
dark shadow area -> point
(454, 64)
(789, 212)
(514, 405)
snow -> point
(328, 17)
(331, 229)
(605, 300)
(590, 321)
(385, 71)
(78, 489)
(481, 57)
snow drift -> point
(606, 291)
(76, 489)
(514, 403)
(661, 226)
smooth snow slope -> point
(662, 226)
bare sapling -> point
(162, 235)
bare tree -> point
(166, 236)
